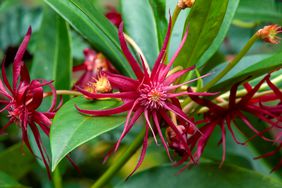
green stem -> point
(234, 62)
(107, 176)
(63, 92)
(57, 179)
(175, 16)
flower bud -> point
(185, 3)
(269, 33)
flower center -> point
(15, 111)
(152, 96)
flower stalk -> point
(229, 67)
(115, 167)
(234, 62)
(63, 92)
(175, 15)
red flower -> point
(269, 33)
(151, 94)
(114, 16)
(93, 64)
(23, 97)
(222, 117)
(277, 111)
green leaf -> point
(16, 161)
(8, 182)
(257, 10)
(202, 176)
(253, 66)
(89, 22)
(176, 35)
(230, 12)
(52, 59)
(204, 20)
(140, 25)
(71, 129)
(159, 10)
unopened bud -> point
(269, 33)
(185, 3)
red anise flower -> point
(277, 111)
(151, 94)
(93, 64)
(222, 117)
(23, 97)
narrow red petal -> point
(129, 123)
(170, 79)
(157, 124)
(122, 95)
(143, 152)
(123, 108)
(164, 72)
(133, 63)
(18, 58)
(163, 50)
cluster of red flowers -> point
(153, 94)
(225, 117)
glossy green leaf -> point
(230, 12)
(257, 11)
(52, 59)
(253, 66)
(159, 10)
(204, 20)
(89, 22)
(140, 25)
(202, 176)
(8, 182)
(70, 129)
(16, 161)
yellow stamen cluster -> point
(102, 85)
(99, 85)
(185, 3)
